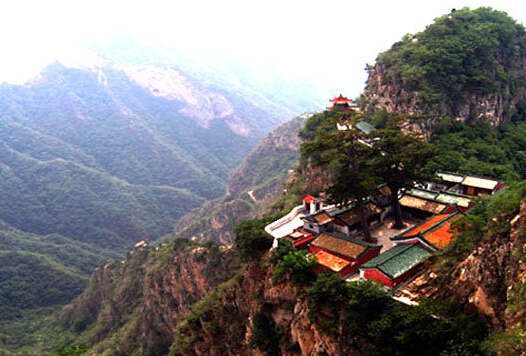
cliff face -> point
(222, 323)
(491, 279)
(467, 65)
(134, 305)
(382, 94)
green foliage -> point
(486, 220)
(510, 342)
(72, 350)
(215, 320)
(92, 163)
(357, 169)
(296, 263)
(467, 52)
(365, 318)
(343, 157)
(480, 149)
(399, 161)
(263, 171)
(126, 304)
(251, 238)
(309, 130)
(264, 336)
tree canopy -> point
(465, 52)
(348, 157)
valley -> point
(154, 203)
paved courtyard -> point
(384, 232)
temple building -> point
(434, 233)
(396, 265)
(411, 249)
(420, 207)
(341, 254)
(341, 102)
(465, 184)
(459, 201)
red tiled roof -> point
(308, 198)
(340, 100)
(427, 224)
(435, 231)
(442, 236)
(331, 261)
(303, 240)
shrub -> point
(251, 238)
(296, 262)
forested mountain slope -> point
(469, 64)
(98, 156)
(252, 188)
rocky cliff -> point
(467, 65)
(133, 306)
(222, 324)
(488, 277)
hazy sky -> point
(328, 42)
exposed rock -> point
(239, 302)
(252, 188)
(140, 302)
(487, 278)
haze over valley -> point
(151, 155)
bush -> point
(365, 317)
(251, 238)
(296, 262)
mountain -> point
(132, 306)
(467, 65)
(273, 305)
(252, 187)
(97, 155)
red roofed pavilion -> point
(341, 101)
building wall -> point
(404, 277)
(377, 276)
(369, 255)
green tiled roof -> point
(399, 259)
(364, 127)
(450, 198)
(423, 193)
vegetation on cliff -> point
(469, 64)
(484, 268)
(357, 167)
(481, 149)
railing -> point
(284, 220)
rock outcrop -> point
(489, 278)
(467, 65)
(222, 325)
(135, 304)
